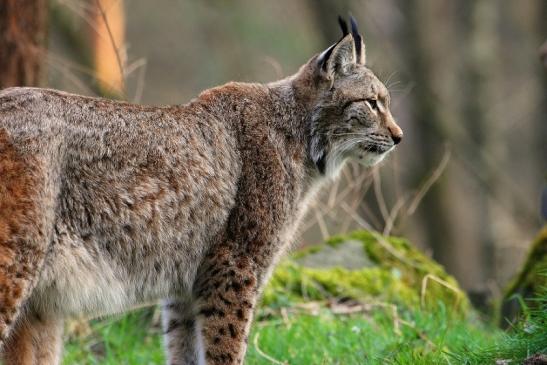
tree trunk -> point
(429, 129)
(326, 12)
(23, 34)
(108, 38)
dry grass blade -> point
(419, 333)
(395, 315)
(423, 291)
(265, 355)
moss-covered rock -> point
(529, 282)
(366, 266)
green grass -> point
(301, 338)
(377, 336)
(527, 337)
(131, 339)
(363, 339)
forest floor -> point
(323, 333)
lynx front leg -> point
(227, 295)
(182, 337)
(34, 341)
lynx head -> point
(349, 116)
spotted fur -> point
(107, 205)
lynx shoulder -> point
(108, 205)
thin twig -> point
(322, 224)
(393, 215)
(140, 80)
(379, 196)
(81, 10)
(389, 248)
(372, 217)
(332, 194)
(429, 182)
(355, 216)
(71, 76)
(396, 176)
(354, 206)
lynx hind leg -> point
(181, 330)
(226, 300)
(34, 341)
(26, 220)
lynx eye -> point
(373, 104)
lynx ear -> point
(338, 57)
(349, 50)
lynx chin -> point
(107, 205)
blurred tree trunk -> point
(23, 33)
(429, 130)
(108, 38)
(479, 21)
(541, 122)
(326, 13)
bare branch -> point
(429, 182)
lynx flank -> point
(106, 205)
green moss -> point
(401, 275)
(531, 280)
(529, 277)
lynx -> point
(106, 205)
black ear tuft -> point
(356, 37)
(343, 26)
(354, 30)
(325, 56)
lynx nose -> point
(394, 130)
(396, 133)
(397, 138)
